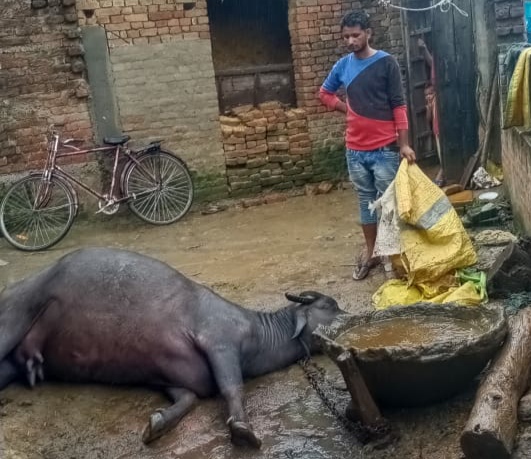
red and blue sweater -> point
(375, 99)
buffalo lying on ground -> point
(114, 316)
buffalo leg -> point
(8, 373)
(227, 372)
(163, 420)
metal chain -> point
(316, 376)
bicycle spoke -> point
(37, 214)
(145, 203)
(20, 201)
(179, 200)
(161, 186)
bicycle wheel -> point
(159, 186)
(35, 214)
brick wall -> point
(41, 79)
(510, 27)
(516, 148)
(164, 83)
(516, 157)
(175, 100)
(146, 21)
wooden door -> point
(456, 81)
(450, 39)
(417, 24)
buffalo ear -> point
(300, 321)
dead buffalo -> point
(113, 316)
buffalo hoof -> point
(243, 435)
(156, 428)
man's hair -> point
(356, 18)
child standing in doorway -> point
(431, 109)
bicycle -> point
(38, 210)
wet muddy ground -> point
(251, 256)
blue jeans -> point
(371, 172)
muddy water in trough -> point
(251, 256)
(407, 332)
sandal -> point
(363, 269)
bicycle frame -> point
(54, 153)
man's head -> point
(356, 31)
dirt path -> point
(251, 256)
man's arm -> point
(332, 101)
(328, 90)
(425, 52)
(398, 104)
(401, 123)
(405, 150)
(429, 112)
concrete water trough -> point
(414, 355)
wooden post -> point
(364, 408)
(491, 428)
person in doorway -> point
(433, 119)
(431, 109)
(377, 124)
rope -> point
(443, 5)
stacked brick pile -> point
(146, 21)
(266, 148)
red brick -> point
(157, 16)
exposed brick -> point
(517, 172)
(39, 82)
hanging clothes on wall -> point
(518, 105)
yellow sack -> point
(433, 240)
(465, 295)
(397, 292)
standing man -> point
(377, 125)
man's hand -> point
(341, 106)
(421, 43)
(407, 152)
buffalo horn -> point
(300, 298)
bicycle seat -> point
(119, 140)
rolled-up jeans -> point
(371, 172)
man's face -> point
(356, 39)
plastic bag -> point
(388, 236)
